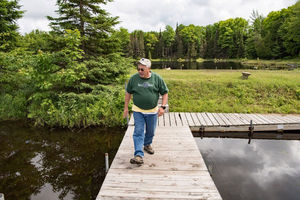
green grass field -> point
(225, 91)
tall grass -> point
(225, 91)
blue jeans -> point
(140, 137)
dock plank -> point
(167, 120)
(172, 119)
(195, 119)
(212, 119)
(219, 119)
(178, 120)
(207, 120)
(189, 119)
(183, 118)
(161, 121)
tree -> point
(123, 38)
(168, 37)
(178, 42)
(137, 44)
(151, 40)
(9, 14)
(94, 24)
(290, 30)
(254, 40)
(271, 37)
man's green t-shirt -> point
(146, 90)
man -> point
(145, 86)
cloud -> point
(35, 14)
(154, 15)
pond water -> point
(208, 65)
(264, 169)
(39, 164)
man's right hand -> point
(125, 113)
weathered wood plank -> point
(225, 119)
(279, 118)
(161, 121)
(167, 120)
(207, 120)
(236, 119)
(212, 119)
(270, 117)
(183, 119)
(292, 118)
(249, 117)
(189, 119)
(265, 118)
(178, 119)
(201, 119)
(230, 119)
(195, 119)
(219, 119)
(172, 119)
(243, 120)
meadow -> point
(265, 91)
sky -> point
(153, 15)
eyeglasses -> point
(140, 69)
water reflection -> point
(265, 169)
(212, 65)
(42, 164)
(197, 65)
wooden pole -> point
(106, 163)
(2, 196)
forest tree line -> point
(276, 36)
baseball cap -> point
(145, 61)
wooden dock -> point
(223, 122)
(177, 170)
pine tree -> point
(9, 14)
(94, 24)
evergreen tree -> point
(9, 14)
(94, 24)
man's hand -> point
(125, 113)
(161, 111)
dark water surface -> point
(210, 65)
(39, 164)
(262, 170)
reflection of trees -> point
(74, 162)
(70, 162)
(19, 178)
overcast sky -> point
(154, 15)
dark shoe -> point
(149, 149)
(137, 160)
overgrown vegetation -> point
(56, 79)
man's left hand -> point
(161, 111)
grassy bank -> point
(225, 91)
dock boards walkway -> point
(223, 122)
(175, 171)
